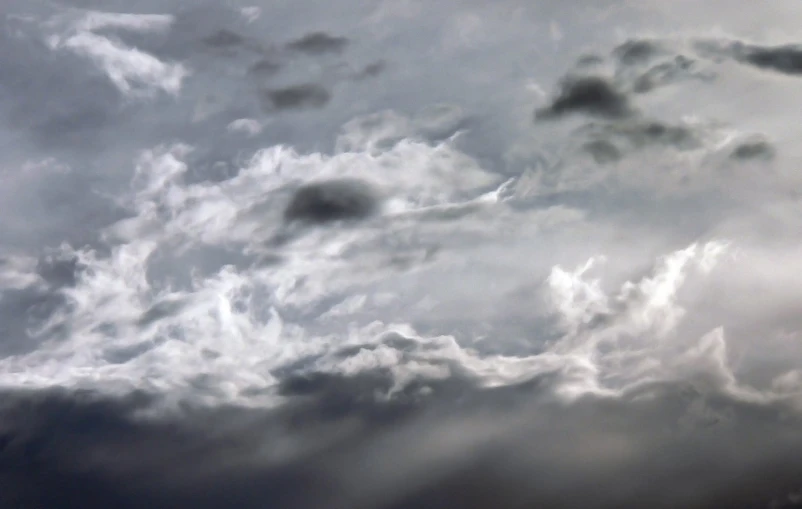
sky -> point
(396, 254)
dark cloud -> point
(637, 51)
(307, 95)
(652, 132)
(785, 59)
(332, 200)
(610, 142)
(589, 61)
(591, 95)
(318, 43)
(665, 73)
(59, 269)
(603, 151)
(335, 444)
(754, 149)
(645, 64)
(371, 70)
(224, 39)
(264, 67)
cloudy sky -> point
(398, 254)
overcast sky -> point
(400, 254)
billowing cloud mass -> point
(291, 254)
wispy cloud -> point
(134, 72)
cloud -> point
(96, 20)
(642, 65)
(637, 51)
(663, 73)
(334, 200)
(132, 71)
(785, 59)
(603, 151)
(476, 336)
(755, 148)
(591, 95)
(249, 126)
(610, 142)
(224, 39)
(306, 95)
(251, 14)
(371, 70)
(318, 43)
(334, 443)
(265, 67)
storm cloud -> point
(514, 449)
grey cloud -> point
(75, 115)
(643, 65)
(307, 95)
(592, 95)
(160, 310)
(665, 73)
(22, 310)
(371, 70)
(332, 200)
(440, 121)
(753, 149)
(785, 59)
(318, 43)
(603, 151)
(224, 39)
(265, 67)
(59, 269)
(639, 133)
(589, 60)
(637, 51)
(335, 444)
(338, 440)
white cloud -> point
(94, 20)
(134, 72)
(251, 14)
(249, 126)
